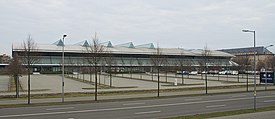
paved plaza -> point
(42, 83)
(4, 82)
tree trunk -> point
(182, 79)
(29, 86)
(158, 81)
(16, 78)
(95, 83)
(218, 76)
(110, 78)
(247, 82)
(238, 77)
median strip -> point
(269, 101)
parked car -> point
(222, 72)
(194, 72)
(230, 72)
(213, 72)
(235, 72)
(252, 72)
(204, 72)
(183, 72)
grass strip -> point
(127, 92)
(226, 113)
(102, 100)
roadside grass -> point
(226, 113)
(113, 100)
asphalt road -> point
(142, 109)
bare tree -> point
(123, 65)
(181, 61)
(94, 55)
(110, 62)
(272, 62)
(166, 64)
(189, 66)
(244, 63)
(131, 62)
(219, 67)
(205, 56)
(157, 62)
(176, 67)
(140, 63)
(15, 69)
(260, 65)
(29, 57)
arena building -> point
(124, 57)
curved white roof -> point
(124, 50)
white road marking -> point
(124, 108)
(235, 96)
(149, 112)
(61, 108)
(211, 106)
(192, 99)
(134, 103)
(269, 101)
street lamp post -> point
(254, 35)
(266, 67)
(63, 45)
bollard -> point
(176, 82)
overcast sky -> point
(190, 24)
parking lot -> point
(41, 83)
(51, 83)
(4, 83)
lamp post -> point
(63, 45)
(266, 67)
(254, 35)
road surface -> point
(143, 109)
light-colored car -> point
(235, 72)
(204, 72)
(222, 72)
(194, 72)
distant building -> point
(4, 59)
(262, 53)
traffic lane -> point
(155, 108)
(154, 111)
(48, 109)
(113, 104)
(265, 102)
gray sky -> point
(190, 24)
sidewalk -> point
(126, 96)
